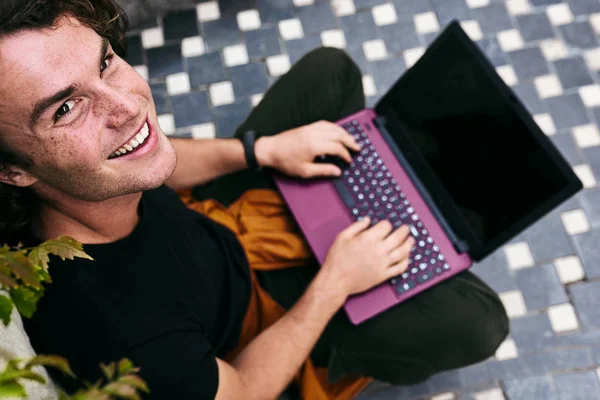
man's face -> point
(68, 102)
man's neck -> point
(88, 222)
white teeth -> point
(133, 143)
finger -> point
(336, 133)
(348, 140)
(381, 230)
(397, 269)
(396, 238)
(356, 227)
(336, 149)
(402, 252)
(313, 170)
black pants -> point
(458, 322)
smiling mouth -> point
(133, 144)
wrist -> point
(330, 288)
(262, 150)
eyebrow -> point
(42, 105)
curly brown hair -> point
(105, 17)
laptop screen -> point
(468, 143)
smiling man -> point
(82, 154)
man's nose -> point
(122, 107)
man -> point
(82, 155)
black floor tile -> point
(299, 47)
(359, 28)
(161, 98)
(368, 3)
(544, 231)
(406, 9)
(386, 72)
(164, 60)
(592, 156)
(590, 201)
(573, 72)
(541, 287)
(493, 18)
(180, 24)
(227, 118)
(528, 63)
(273, 11)
(567, 147)
(316, 18)
(191, 109)
(248, 79)
(537, 3)
(229, 7)
(220, 33)
(492, 50)
(535, 27)
(399, 36)
(584, 7)
(207, 68)
(527, 93)
(447, 10)
(567, 111)
(263, 42)
(135, 50)
(579, 35)
(358, 56)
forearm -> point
(271, 360)
(200, 161)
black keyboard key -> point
(405, 286)
(426, 277)
(344, 193)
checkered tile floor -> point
(209, 65)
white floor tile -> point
(221, 93)
(426, 23)
(569, 269)
(508, 75)
(204, 131)
(248, 20)
(278, 65)
(375, 50)
(586, 136)
(291, 29)
(575, 221)
(491, 394)
(585, 175)
(554, 49)
(563, 318)
(235, 55)
(590, 95)
(167, 123)
(256, 98)
(518, 255)
(507, 350)
(300, 3)
(513, 303)
(369, 87)
(333, 38)
(518, 7)
(178, 83)
(152, 37)
(473, 29)
(142, 70)
(384, 14)
(192, 47)
(592, 59)
(546, 123)
(560, 14)
(343, 7)
(510, 40)
(548, 86)
(411, 56)
(595, 22)
(477, 3)
(208, 11)
(443, 396)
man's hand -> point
(362, 257)
(293, 152)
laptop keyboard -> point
(368, 189)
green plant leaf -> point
(57, 362)
(125, 366)
(6, 281)
(12, 376)
(12, 389)
(121, 390)
(21, 266)
(64, 247)
(136, 382)
(108, 370)
(26, 300)
(6, 306)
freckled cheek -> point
(60, 154)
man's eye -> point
(65, 109)
(105, 64)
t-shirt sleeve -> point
(177, 365)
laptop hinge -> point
(459, 245)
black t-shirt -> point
(171, 296)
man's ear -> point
(16, 176)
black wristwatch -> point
(249, 140)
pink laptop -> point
(449, 151)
